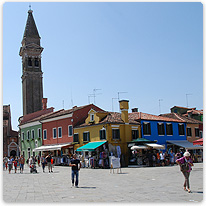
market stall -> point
(94, 154)
(61, 153)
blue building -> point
(160, 129)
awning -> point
(142, 140)
(137, 147)
(198, 142)
(185, 144)
(51, 147)
(91, 146)
(156, 146)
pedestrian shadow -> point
(198, 192)
(87, 187)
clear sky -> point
(152, 51)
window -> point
(135, 134)
(29, 62)
(181, 129)
(86, 136)
(45, 134)
(70, 130)
(146, 128)
(22, 136)
(161, 128)
(102, 134)
(59, 132)
(36, 62)
(54, 133)
(169, 129)
(189, 132)
(197, 132)
(39, 133)
(76, 138)
(91, 117)
(115, 134)
(32, 134)
(28, 135)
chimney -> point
(135, 110)
(124, 106)
(44, 103)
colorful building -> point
(30, 129)
(115, 129)
(160, 129)
(194, 127)
(57, 130)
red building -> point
(58, 127)
(10, 137)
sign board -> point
(115, 162)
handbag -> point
(184, 167)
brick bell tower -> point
(32, 88)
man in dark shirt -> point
(76, 165)
(48, 159)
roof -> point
(144, 116)
(183, 107)
(35, 115)
(69, 111)
(31, 29)
(195, 111)
(182, 117)
(111, 117)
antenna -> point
(94, 92)
(120, 93)
(63, 104)
(29, 6)
(187, 99)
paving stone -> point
(156, 184)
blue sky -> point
(152, 51)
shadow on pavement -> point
(88, 187)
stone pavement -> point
(148, 184)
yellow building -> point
(115, 128)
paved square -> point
(155, 184)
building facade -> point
(159, 128)
(10, 137)
(194, 128)
(30, 52)
(30, 129)
(114, 128)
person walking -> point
(185, 161)
(21, 162)
(43, 162)
(172, 158)
(15, 164)
(5, 161)
(48, 159)
(76, 165)
(10, 162)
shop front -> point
(141, 150)
(94, 154)
(196, 151)
(61, 153)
